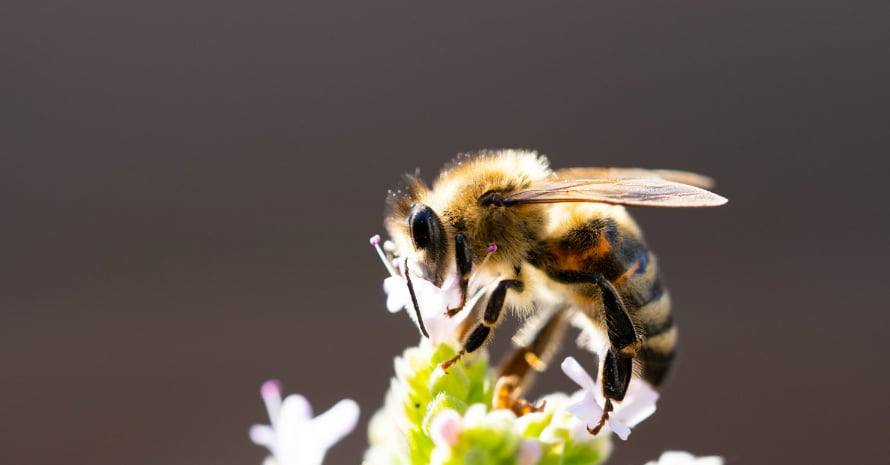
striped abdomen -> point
(604, 247)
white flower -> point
(293, 437)
(673, 457)
(638, 403)
(433, 302)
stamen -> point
(375, 241)
(414, 301)
(472, 301)
(492, 248)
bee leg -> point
(506, 396)
(518, 370)
(607, 409)
(616, 373)
(617, 366)
(623, 335)
(464, 258)
(493, 310)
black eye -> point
(426, 230)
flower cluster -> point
(445, 418)
(436, 417)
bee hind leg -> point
(492, 316)
(518, 370)
(616, 373)
(607, 409)
(624, 341)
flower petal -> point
(475, 414)
(295, 408)
(271, 394)
(578, 374)
(620, 429)
(639, 403)
(710, 460)
(449, 293)
(445, 428)
(673, 457)
(263, 435)
(397, 296)
(297, 445)
(432, 301)
(587, 409)
(337, 422)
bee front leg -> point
(464, 258)
(492, 316)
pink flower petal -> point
(271, 393)
(271, 388)
(446, 428)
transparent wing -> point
(635, 191)
(682, 177)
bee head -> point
(418, 231)
(430, 241)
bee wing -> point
(634, 191)
(682, 177)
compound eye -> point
(426, 230)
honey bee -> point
(567, 253)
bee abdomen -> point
(612, 249)
(649, 304)
(659, 336)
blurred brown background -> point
(188, 188)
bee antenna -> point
(375, 242)
(414, 301)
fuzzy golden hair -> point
(455, 196)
